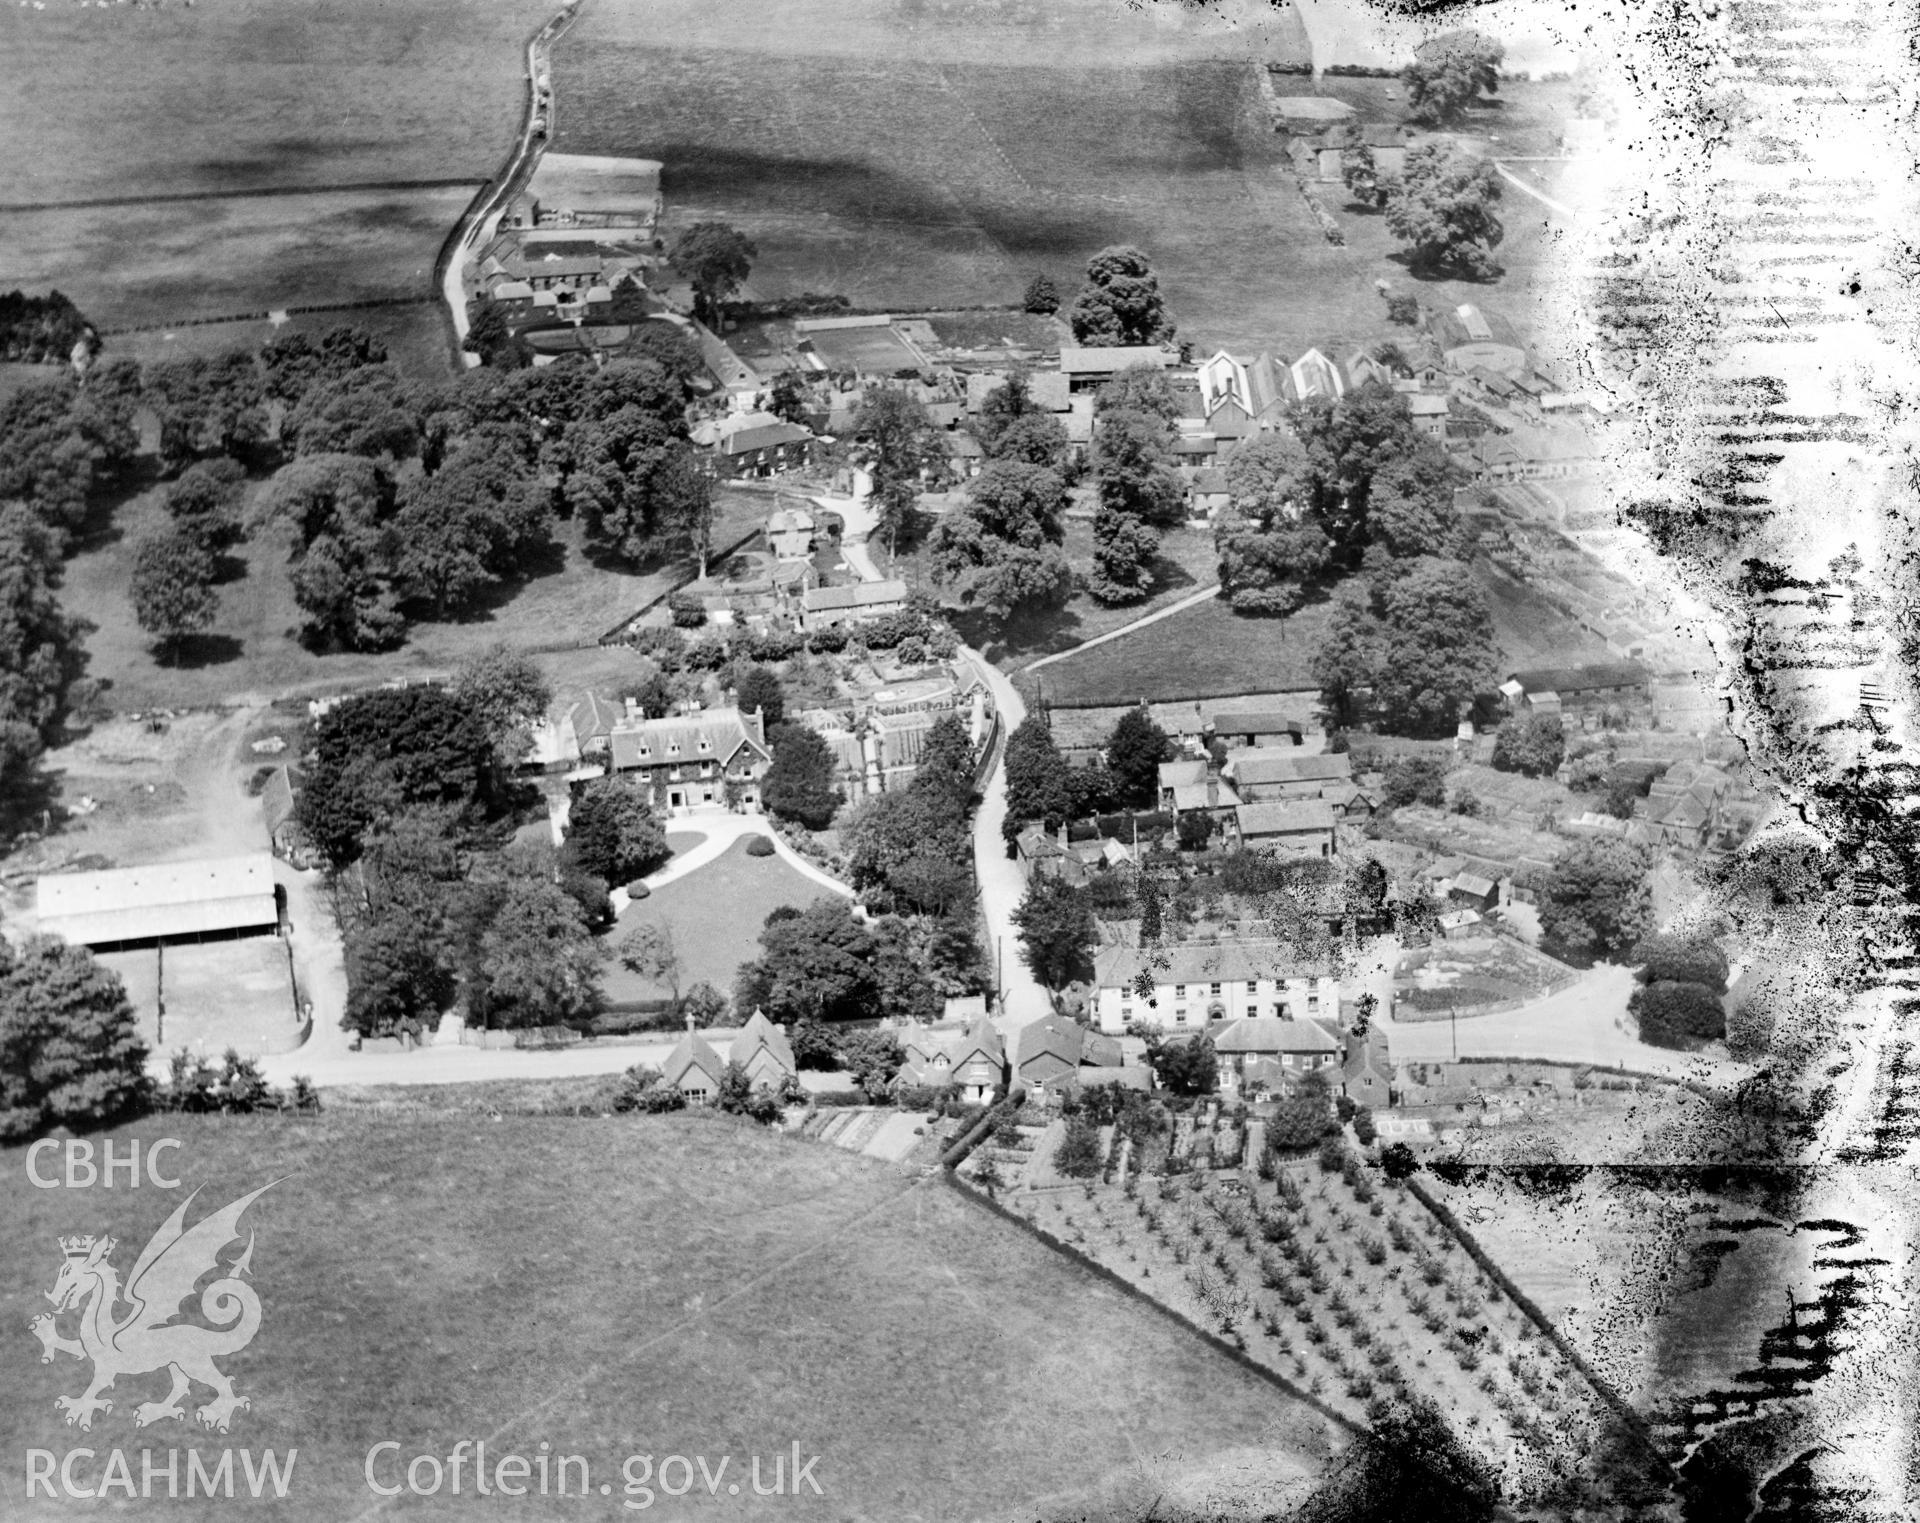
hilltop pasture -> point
(622, 1285)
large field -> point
(927, 154)
(619, 1286)
(126, 104)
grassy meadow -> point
(623, 1285)
(562, 605)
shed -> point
(214, 899)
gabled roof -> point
(983, 1040)
(1052, 1036)
(1284, 817)
(276, 798)
(1252, 768)
(760, 1032)
(692, 1053)
(714, 735)
(1117, 967)
(594, 717)
(856, 595)
(789, 521)
(1178, 774)
(1474, 884)
(766, 436)
(1263, 1034)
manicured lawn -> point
(716, 913)
(1206, 651)
(681, 1285)
(562, 610)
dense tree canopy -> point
(716, 259)
(1185, 1065)
(1133, 467)
(508, 693)
(367, 410)
(900, 450)
(1036, 776)
(1597, 902)
(1438, 646)
(346, 576)
(1000, 552)
(1057, 931)
(172, 588)
(1451, 71)
(1121, 302)
(1671, 1013)
(800, 784)
(1443, 211)
(612, 831)
(476, 521)
(378, 753)
(1124, 550)
(61, 440)
(295, 364)
(1532, 744)
(207, 405)
(1135, 750)
(205, 503)
(539, 964)
(1408, 1464)
(816, 965)
(70, 1049)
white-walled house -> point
(1197, 984)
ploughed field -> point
(622, 1285)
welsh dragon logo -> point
(147, 1338)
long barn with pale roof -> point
(126, 907)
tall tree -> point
(508, 693)
(1036, 776)
(172, 589)
(817, 965)
(715, 259)
(1347, 659)
(1449, 73)
(345, 579)
(1532, 744)
(295, 363)
(1133, 465)
(650, 951)
(379, 753)
(1135, 750)
(1008, 402)
(1034, 438)
(41, 654)
(900, 450)
(1410, 507)
(539, 963)
(1362, 176)
(1597, 902)
(1123, 554)
(364, 410)
(799, 785)
(612, 831)
(758, 687)
(70, 1050)
(634, 482)
(470, 525)
(1041, 297)
(1348, 442)
(1439, 651)
(207, 405)
(1057, 931)
(1267, 572)
(1000, 552)
(1443, 211)
(204, 502)
(398, 971)
(1121, 302)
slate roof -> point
(692, 1052)
(1265, 1034)
(1583, 679)
(1253, 768)
(855, 595)
(757, 1033)
(1284, 817)
(651, 742)
(1116, 967)
(167, 900)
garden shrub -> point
(759, 846)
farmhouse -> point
(127, 907)
(1195, 983)
(1050, 1052)
(1265, 1052)
(693, 759)
(790, 533)
(753, 445)
(971, 1059)
(822, 607)
(1304, 827)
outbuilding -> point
(122, 908)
